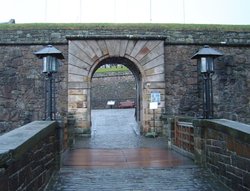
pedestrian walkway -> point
(117, 158)
(190, 178)
(124, 158)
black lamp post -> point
(50, 56)
(205, 57)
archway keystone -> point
(85, 56)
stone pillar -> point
(78, 89)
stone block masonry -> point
(180, 35)
(184, 84)
(117, 86)
(137, 55)
(22, 86)
(224, 148)
(221, 146)
(21, 81)
(29, 156)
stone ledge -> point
(21, 139)
(235, 129)
(116, 36)
(175, 37)
(171, 118)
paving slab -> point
(169, 179)
(117, 158)
(124, 158)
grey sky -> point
(126, 11)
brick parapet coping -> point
(28, 156)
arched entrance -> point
(143, 56)
(135, 71)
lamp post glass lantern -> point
(50, 64)
(205, 57)
(207, 65)
(50, 56)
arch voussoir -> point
(85, 56)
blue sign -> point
(156, 97)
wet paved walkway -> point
(124, 158)
(117, 158)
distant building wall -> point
(117, 86)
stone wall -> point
(181, 35)
(224, 148)
(231, 82)
(29, 156)
(117, 86)
(21, 81)
(22, 86)
(182, 96)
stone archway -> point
(147, 55)
(136, 74)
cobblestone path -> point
(183, 178)
(114, 141)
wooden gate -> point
(184, 135)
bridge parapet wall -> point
(222, 146)
(28, 156)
